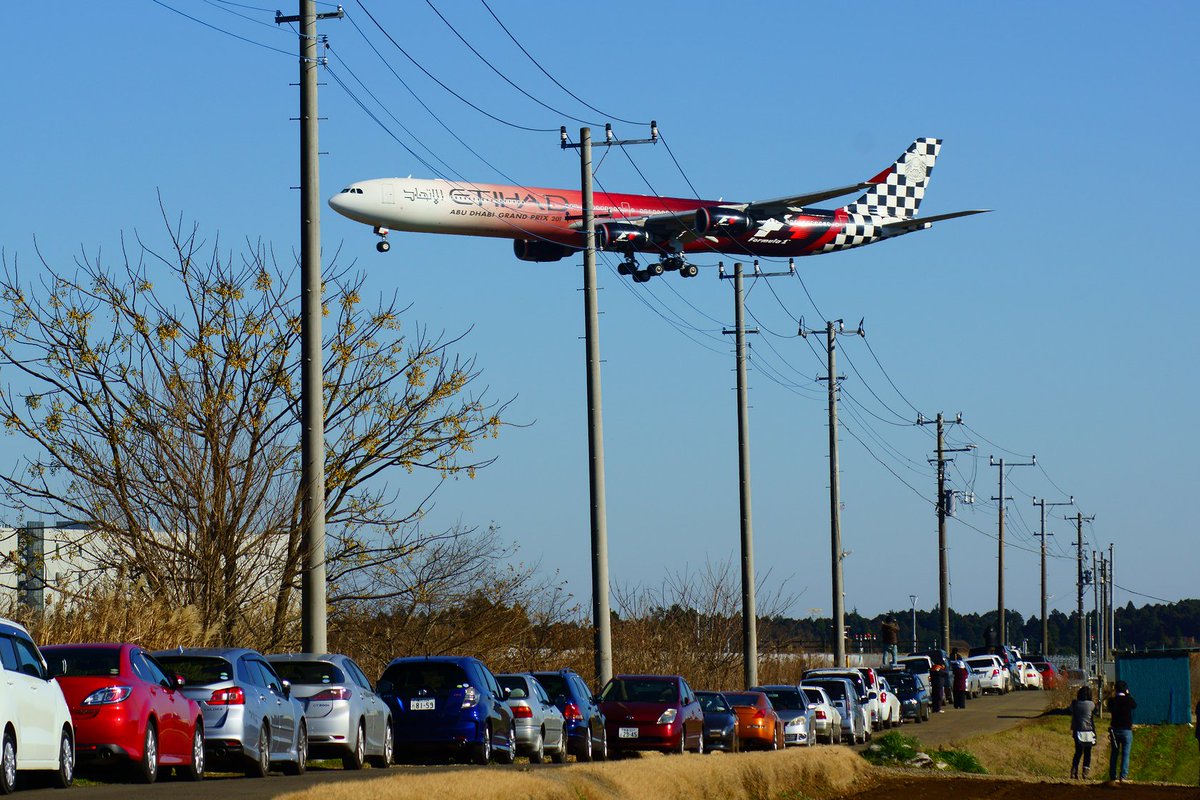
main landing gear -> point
(655, 268)
(382, 245)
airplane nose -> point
(339, 203)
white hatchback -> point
(34, 719)
(993, 677)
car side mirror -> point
(287, 689)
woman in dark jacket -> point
(1083, 731)
(1120, 731)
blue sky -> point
(1058, 325)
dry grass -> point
(801, 773)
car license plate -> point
(422, 704)
(628, 733)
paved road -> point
(983, 715)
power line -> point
(219, 29)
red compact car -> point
(126, 707)
(1049, 674)
(652, 712)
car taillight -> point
(572, 713)
(470, 697)
(334, 693)
(107, 695)
(820, 714)
(232, 696)
(668, 716)
(995, 672)
(760, 714)
(522, 712)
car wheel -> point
(602, 753)
(384, 760)
(8, 764)
(510, 755)
(482, 754)
(538, 754)
(585, 752)
(65, 774)
(195, 770)
(559, 756)
(260, 766)
(355, 758)
(147, 768)
(700, 746)
(298, 766)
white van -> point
(35, 723)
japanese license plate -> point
(628, 733)
(422, 704)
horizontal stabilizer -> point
(917, 223)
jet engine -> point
(717, 221)
(621, 236)
(540, 251)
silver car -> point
(346, 719)
(539, 724)
(799, 721)
(843, 694)
(250, 717)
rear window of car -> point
(712, 703)
(901, 680)
(511, 682)
(981, 662)
(553, 682)
(787, 699)
(198, 670)
(641, 690)
(83, 661)
(813, 696)
(835, 689)
(742, 698)
(433, 676)
(310, 673)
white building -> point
(36, 561)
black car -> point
(587, 738)
(720, 723)
(915, 702)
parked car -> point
(36, 732)
(449, 704)
(346, 719)
(1031, 678)
(1050, 676)
(921, 666)
(720, 723)
(652, 712)
(759, 725)
(867, 707)
(827, 720)
(538, 723)
(586, 734)
(935, 656)
(250, 718)
(799, 721)
(126, 707)
(844, 696)
(915, 701)
(993, 677)
(890, 713)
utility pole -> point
(1079, 518)
(1112, 610)
(1046, 623)
(312, 400)
(912, 600)
(832, 329)
(943, 509)
(1001, 612)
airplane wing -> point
(917, 223)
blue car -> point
(450, 705)
(586, 735)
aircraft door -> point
(389, 193)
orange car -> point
(758, 724)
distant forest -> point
(1158, 626)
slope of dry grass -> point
(798, 774)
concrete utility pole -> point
(1045, 623)
(601, 617)
(312, 398)
(943, 509)
(912, 600)
(1001, 612)
(1112, 611)
(1079, 518)
(832, 329)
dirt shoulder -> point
(890, 783)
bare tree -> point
(160, 402)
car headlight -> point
(668, 716)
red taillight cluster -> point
(232, 696)
(522, 712)
(820, 713)
(995, 672)
(572, 713)
(759, 714)
(333, 693)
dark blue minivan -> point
(450, 705)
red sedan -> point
(1049, 674)
(126, 707)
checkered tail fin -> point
(899, 189)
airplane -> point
(546, 224)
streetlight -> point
(912, 599)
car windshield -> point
(554, 683)
(712, 702)
(409, 677)
(835, 689)
(198, 670)
(641, 690)
(76, 661)
(310, 673)
(786, 699)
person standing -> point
(959, 669)
(935, 678)
(1120, 731)
(1083, 731)
(889, 634)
